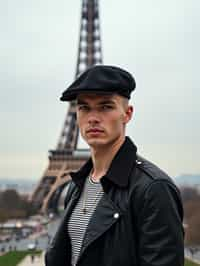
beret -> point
(101, 79)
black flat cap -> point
(101, 79)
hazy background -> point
(158, 41)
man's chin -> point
(96, 142)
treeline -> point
(191, 203)
(14, 206)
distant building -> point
(19, 229)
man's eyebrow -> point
(107, 102)
(81, 102)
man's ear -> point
(128, 114)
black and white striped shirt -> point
(80, 217)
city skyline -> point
(158, 44)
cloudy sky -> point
(156, 40)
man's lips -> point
(94, 130)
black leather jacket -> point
(138, 221)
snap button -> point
(138, 162)
(116, 215)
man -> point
(121, 210)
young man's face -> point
(102, 118)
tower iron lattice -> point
(67, 157)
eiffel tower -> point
(67, 157)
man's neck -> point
(102, 158)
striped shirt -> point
(81, 214)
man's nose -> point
(93, 117)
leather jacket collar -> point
(120, 168)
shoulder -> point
(151, 170)
(149, 183)
(147, 174)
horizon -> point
(32, 179)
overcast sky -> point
(156, 40)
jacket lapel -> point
(61, 234)
(105, 215)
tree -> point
(12, 205)
(191, 203)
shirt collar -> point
(119, 170)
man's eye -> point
(83, 108)
(106, 107)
